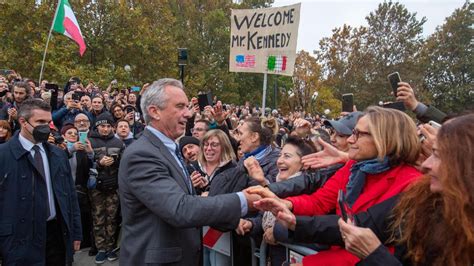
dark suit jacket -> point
(162, 219)
(23, 203)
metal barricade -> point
(294, 253)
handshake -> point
(262, 199)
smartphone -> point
(135, 89)
(434, 124)
(82, 137)
(346, 211)
(204, 100)
(129, 109)
(348, 102)
(77, 95)
(394, 79)
(51, 87)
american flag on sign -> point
(245, 60)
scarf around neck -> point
(359, 172)
(259, 152)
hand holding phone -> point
(83, 137)
(394, 79)
(346, 211)
(434, 124)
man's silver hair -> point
(155, 95)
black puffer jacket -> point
(107, 146)
(236, 179)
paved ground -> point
(81, 258)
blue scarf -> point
(358, 173)
(255, 152)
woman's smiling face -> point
(289, 162)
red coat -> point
(377, 188)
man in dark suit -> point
(162, 215)
(40, 221)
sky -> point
(319, 17)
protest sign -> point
(264, 40)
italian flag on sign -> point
(66, 23)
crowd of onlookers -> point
(404, 188)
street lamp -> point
(313, 100)
(182, 61)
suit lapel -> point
(167, 155)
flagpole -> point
(47, 43)
(264, 96)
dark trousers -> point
(55, 249)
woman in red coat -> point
(384, 147)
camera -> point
(58, 139)
(129, 109)
(77, 95)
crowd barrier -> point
(222, 244)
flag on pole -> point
(66, 23)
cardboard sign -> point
(264, 40)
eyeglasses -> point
(82, 121)
(212, 145)
(357, 133)
(71, 133)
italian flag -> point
(66, 23)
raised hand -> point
(406, 95)
(255, 171)
(273, 205)
(429, 134)
(328, 156)
(261, 191)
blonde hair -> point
(227, 152)
(394, 134)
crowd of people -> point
(135, 174)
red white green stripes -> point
(65, 22)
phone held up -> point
(82, 137)
(394, 79)
(348, 102)
(432, 123)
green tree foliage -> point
(449, 62)
(306, 81)
(142, 34)
(358, 60)
(146, 34)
